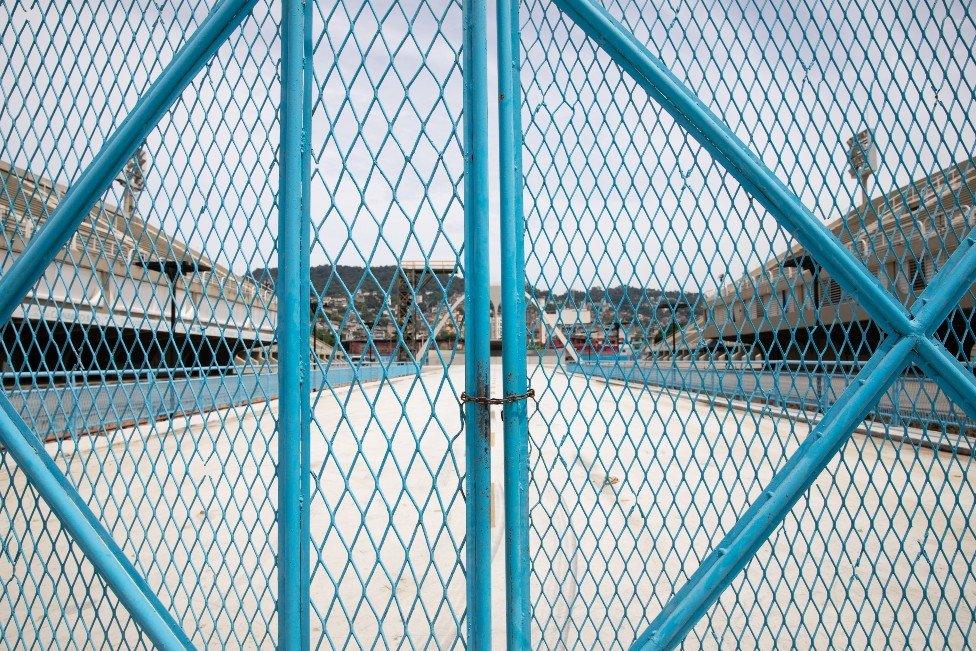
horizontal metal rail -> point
(912, 399)
(62, 411)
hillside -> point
(369, 286)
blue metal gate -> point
(247, 323)
(232, 305)
(749, 260)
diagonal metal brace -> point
(932, 306)
(753, 529)
(942, 366)
(77, 202)
(947, 288)
(766, 513)
(703, 125)
(87, 532)
(23, 444)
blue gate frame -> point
(909, 333)
(24, 446)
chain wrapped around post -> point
(487, 400)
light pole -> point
(862, 160)
(133, 181)
(173, 269)
(313, 313)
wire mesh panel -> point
(687, 343)
(387, 513)
(753, 372)
(144, 358)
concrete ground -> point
(631, 487)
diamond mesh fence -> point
(687, 343)
(388, 514)
(146, 360)
(145, 353)
(739, 436)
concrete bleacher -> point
(101, 305)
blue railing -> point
(912, 399)
(85, 403)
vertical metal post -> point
(293, 327)
(476, 326)
(518, 611)
(308, 76)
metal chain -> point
(488, 400)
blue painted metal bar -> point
(476, 326)
(225, 17)
(749, 533)
(947, 288)
(931, 308)
(753, 529)
(85, 529)
(654, 77)
(518, 615)
(305, 290)
(293, 328)
(954, 378)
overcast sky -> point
(615, 194)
